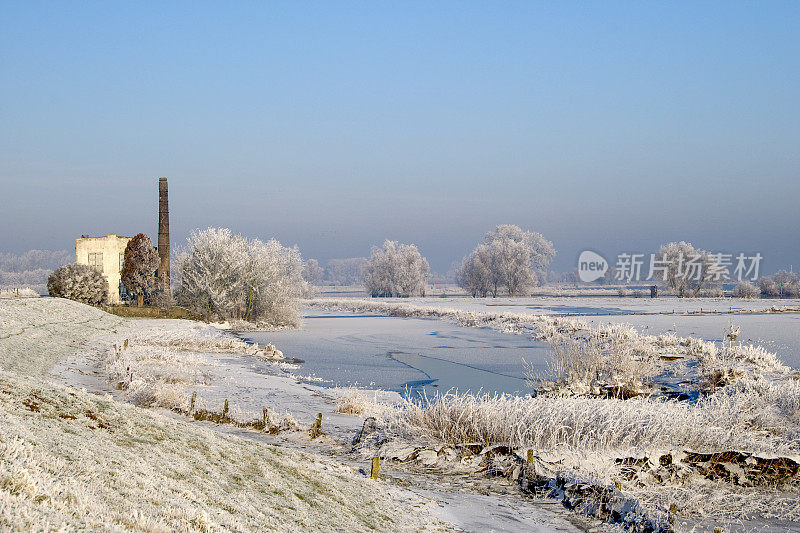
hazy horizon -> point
(612, 127)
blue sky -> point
(607, 125)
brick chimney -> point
(163, 234)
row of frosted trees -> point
(224, 276)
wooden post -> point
(191, 403)
(376, 464)
(224, 411)
(140, 300)
(530, 456)
(316, 427)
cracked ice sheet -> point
(394, 353)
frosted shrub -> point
(396, 270)
(745, 289)
(601, 364)
(82, 283)
(224, 276)
(782, 285)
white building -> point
(106, 253)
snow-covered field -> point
(70, 459)
(35, 333)
(594, 305)
(729, 456)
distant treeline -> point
(30, 269)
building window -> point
(121, 261)
(96, 260)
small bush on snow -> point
(82, 283)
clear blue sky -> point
(604, 125)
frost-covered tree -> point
(396, 270)
(346, 271)
(312, 272)
(509, 258)
(82, 283)
(685, 269)
(225, 276)
(745, 289)
(139, 270)
(783, 284)
(475, 275)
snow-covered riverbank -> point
(161, 363)
(70, 459)
(645, 464)
(654, 462)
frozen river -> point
(399, 353)
(373, 351)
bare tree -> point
(139, 270)
(396, 270)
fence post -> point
(376, 463)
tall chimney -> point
(163, 234)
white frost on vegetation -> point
(159, 367)
(70, 460)
(749, 403)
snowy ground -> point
(596, 305)
(160, 363)
(70, 460)
(461, 460)
(75, 460)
